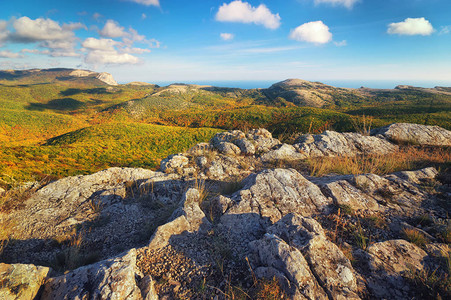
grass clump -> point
(407, 158)
(414, 236)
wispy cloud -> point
(341, 43)
(445, 30)
(346, 3)
(147, 2)
(227, 36)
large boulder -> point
(415, 134)
(283, 153)
(114, 278)
(272, 251)
(387, 263)
(331, 143)
(265, 198)
(173, 162)
(331, 267)
(20, 281)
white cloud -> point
(227, 36)
(143, 16)
(243, 12)
(29, 31)
(99, 44)
(312, 32)
(411, 26)
(135, 50)
(345, 3)
(59, 40)
(112, 30)
(96, 57)
(147, 2)
(9, 54)
(108, 51)
(341, 44)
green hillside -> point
(53, 123)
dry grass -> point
(414, 236)
(407, 158)
(362, 125)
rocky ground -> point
(229, 220)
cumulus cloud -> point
(227, 36)
(59, 40)
(313, 32)
(243, 12)
(112, 30)
(9, 54)
(99, 44)
(108, 51)
(345, 3)
(411, 26)
(147, 2)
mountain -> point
(56, 75)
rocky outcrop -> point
(274, 253)
(107, 78)
(388, 262)
(415, 134)
(332, 143)
(21, 282)
(189, 217)
(110, 279)
(104, 77)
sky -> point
(155, 41)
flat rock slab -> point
(20, 281)
(415, 134)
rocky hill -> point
(56, 75)
(196, 229)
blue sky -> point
(180, 40)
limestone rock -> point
(331, 267)
(109, 279)
(416, 134)
(246, 147)
(284, 153)
(227, 148)
(331, 143)
(344, 193)
(107, 78)
(228, 136)
(265, 198)
(387, 262)
(189, 217)
(173, 162)
(20, 281)
(273, 252)
(262, 140)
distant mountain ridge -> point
(57, 74)
(290, 92)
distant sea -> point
(377, 84)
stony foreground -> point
(197, 230)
